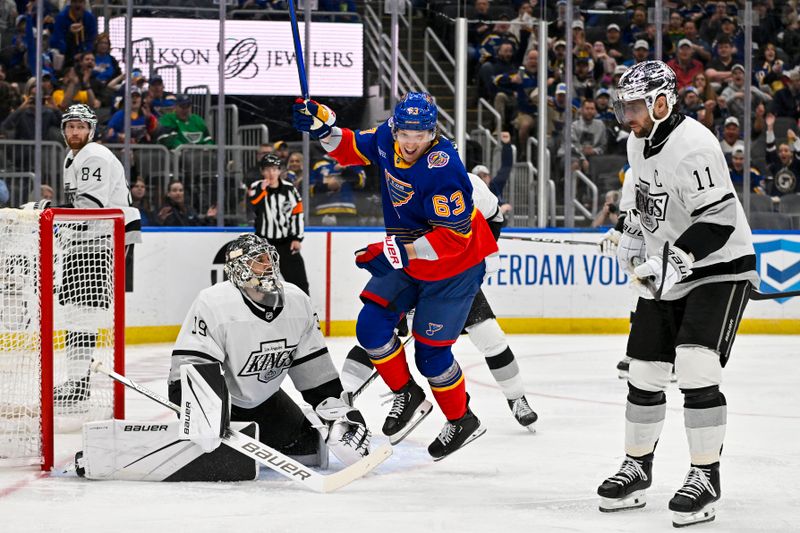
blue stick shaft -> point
(298, 51)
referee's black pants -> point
(292, 265)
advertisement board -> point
(259, 54)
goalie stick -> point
(374, 375)
(267, 456)
(549, 241)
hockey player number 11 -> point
(442, 208)
(700, 183)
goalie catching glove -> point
(313, 117)
(656, 279)
(205, 405)
(380, 258)
(348, 436)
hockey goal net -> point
(62, 289)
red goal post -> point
(62, 304)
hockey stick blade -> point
(549, 241)
(267, 456)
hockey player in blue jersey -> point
(431, 259)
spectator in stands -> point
(581, 49)
(684, 65)
(736, 169)
(175, 212)
(602, 100)
(583, 83)
(85, 68)
(74, 31)
(615, 46)
(588, 135)
(691, 10)
(294, 167)
(498, 184)
(478, 30)
(522, 26)
(106, 65)
(641, 52)
(604, 64)
(675, 28)
(500, 34)
(711, 25)
(768, 70)
(733, 94)
(21, 123)
(524, 83)
(731, 32)
(701, 50)
(47, 193)
(490, 70)
(331, 188)
(609, 214)
(75, 90)
(557, 105)
(182, 126)
(791, 35)
(787, 100)
(143, 123)
(637, 26)
(690, 104)
(140, 202)
(730, 135)
(157, 99)
(556, 61)
(282, 150)
(719, 68)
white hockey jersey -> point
(94, 178)
(484, 199)
(257, 348)
(684, 182)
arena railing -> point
(20, 187)
(17, 156)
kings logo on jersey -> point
(652, 206)
(269, 361)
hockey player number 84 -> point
(442, 208)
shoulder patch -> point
(437, 159)
(364, 132)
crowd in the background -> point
(704, 44)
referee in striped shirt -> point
(279, 218)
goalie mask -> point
(81, 112)
(251, 262)
(641, 85)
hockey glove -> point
(348, 436)
(381, 258)
(40, 205)
(608, 246)
(654, 280)
(630, 250)
(313, 117)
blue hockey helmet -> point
(416, 111)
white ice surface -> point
(508, 480)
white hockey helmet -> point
(250, 261)
(81, 112)
(646, 81)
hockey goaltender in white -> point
(240, 339)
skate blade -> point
(707, 514)
(634, 500)
(422, 411)
(623, 374)
(475, 434)
(531, 427)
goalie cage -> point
(62, 290)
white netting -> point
(83, 325)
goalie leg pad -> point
(146, 451)
(205, 405)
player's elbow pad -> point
(332, 141)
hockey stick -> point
(374, 375)
(269, 457)
(549, 241)
(664, 258)
(759, 296)
(298, 51)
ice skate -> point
(523, 413)
(409, 408)
(455, 435)
(623, 366)
(694, 501)
(626, 489)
